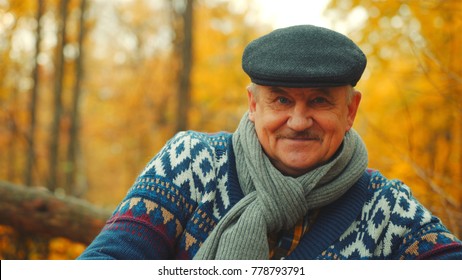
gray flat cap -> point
(303, 56)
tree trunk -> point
(74, 147)
(185, 47)
(39, 212)
(57, 101)
(12, 146)
(28, 172)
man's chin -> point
(295, 169)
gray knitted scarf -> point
(274, 202)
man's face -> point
(301, 128)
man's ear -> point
(252, 104)
(353, 108)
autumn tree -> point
(57, 106)
(28, 170)
(32, 24)
(183, 21)
(73, 178)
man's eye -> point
(319, 100)
(283, 100)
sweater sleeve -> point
(152, 216)
(426, 236)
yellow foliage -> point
(218, 82)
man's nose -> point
(300, 119)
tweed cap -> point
(303, 56)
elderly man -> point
(290, 183)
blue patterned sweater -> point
(192, 182)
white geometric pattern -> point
(179, 151)
(189, 159)
(387, 216)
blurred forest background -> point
(90, 90)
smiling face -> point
(301, 128)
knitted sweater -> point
(192, 182)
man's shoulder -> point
(394, 198)
(213, 140)
(186, 150)
(423, 235)
(192, 144)
(381, 185)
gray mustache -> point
(300, 135)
